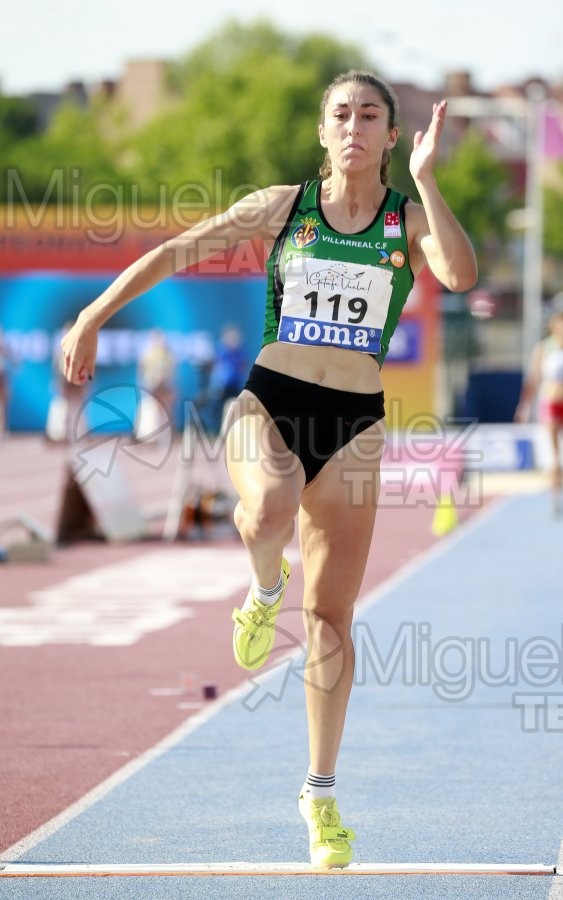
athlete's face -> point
(356, 128)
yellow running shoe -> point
(255, 628)
(328, 839)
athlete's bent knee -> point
(273, 512)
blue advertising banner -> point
(191, 311)
(406, 343)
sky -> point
(45, 45)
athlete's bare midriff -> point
(333, 367)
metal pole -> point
(533, 108)
(533, 240)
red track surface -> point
(72, 714)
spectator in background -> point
(228, 374)
(157, 369)
(544, 378)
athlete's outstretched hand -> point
(79, 346)
(425, 148)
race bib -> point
(334, 304)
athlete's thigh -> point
(336, 520)
(257, 458)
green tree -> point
(73, 157)
(247, 108)
(18, 119)
(243, 113)
(476, 186)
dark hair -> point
(366, 79)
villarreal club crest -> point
(306, 233)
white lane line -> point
(123, 774)
(238, 693)
(22, 870)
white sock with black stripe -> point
(317, 786)
(268, 596)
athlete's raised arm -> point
(258, 215)
(435, 235)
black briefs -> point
(314, 421)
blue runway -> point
(440, 762)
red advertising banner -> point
(73, 240)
